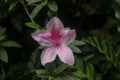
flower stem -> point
(28, 13)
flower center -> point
(55, 37)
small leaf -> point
(2, 37)
(50, 13)
(2, 30)
(21, 1)
(77, 43)
(118, 28)
(117, 13)
(61, 68)
(33, 25)
(80, 66)
(44, 2)
(98, 77)
(41, 47)
(86, 58)
(42, 73)
(67, 77)
(118, 1)
(75, 49)
(38, 8)
(17, 69)
(34, 58)
(10, 44)
(13, 4)
(90, 72)
(3, 55)
(6, 0)
(50, 66)
(102, 47)
(33, 1)
(58, 78)
(118, 50)
(52, 6)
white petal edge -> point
(68, 36)
(54, 23)
(66, 55)
(48, 55)
(42, 37)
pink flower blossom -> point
(55, 38)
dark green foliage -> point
(96, 48)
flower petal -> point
(42, 37)
(54, 24)
(68, 35)
(48, 55)
(66, 55)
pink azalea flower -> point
(55, 38)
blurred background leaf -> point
(3, 55)
(97, 25)
(10, 44)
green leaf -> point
(33, 1)
(21, 1)
(58, 78)
(86, 58)
(17, 69)
(118, 28)
(118, 50)
(102, 47)
(60, 69)
(33, 25)
(50, 66)
(77, 43)
(90, 72)
(41, 47)
(3, 55)
(34, 58)
(99, 43)
(98, 77)
(75, 49)
(67, 77)
(2, 30)
(118, 1)
(117, 13)
(52, 6)
(2, 37)
(6, 0)
(13, 4)
(10, 44)
(42, 73)
(38, 8)
(50, 13)
(80, 66)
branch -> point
(28, 13)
